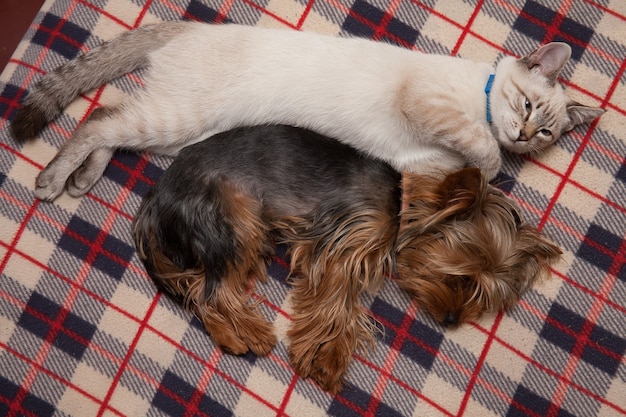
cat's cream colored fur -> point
(419, 112)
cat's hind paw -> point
(48, 186)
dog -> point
(210, 224)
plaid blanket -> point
(83, 330)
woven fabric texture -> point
(84, 332)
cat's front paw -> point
(490, 173)
(491, 167)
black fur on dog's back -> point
(192, 230)
(257, 158)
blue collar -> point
(487, 91)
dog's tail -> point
(125, 53)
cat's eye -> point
(546, 132)
(527, 105)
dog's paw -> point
(326, 364)
(263, 340)
(301, 358)
(255, 334)
(230, 343)
(329, 367)
(49, 185)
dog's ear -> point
(431, 200)
(534, 254)
(460, 189)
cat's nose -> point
(527, 132)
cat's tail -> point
(123, 54)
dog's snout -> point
(451, 319)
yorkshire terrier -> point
(211, 221)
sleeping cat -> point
(421, 113)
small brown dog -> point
(212, 219)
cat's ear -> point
(549, 59)
(580, 114)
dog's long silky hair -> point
(211, 221)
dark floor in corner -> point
(15, 18)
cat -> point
(420, 113)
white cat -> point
(418, 112)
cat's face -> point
(528, 113)
(529, 108)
